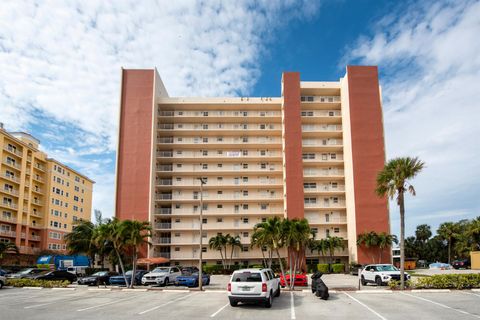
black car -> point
(98, 278)
(186, 271)
(461, 264)
(26, 273)
(58, 275)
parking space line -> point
(471, 293)
(104, 304)
(292, 306)
(167, 303)
(219, 310)
(441, 305)
(72, 297)
(365, 306)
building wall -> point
(27, 220)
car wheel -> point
(165, 283)
(277, 293)
(362, 281)
(268, 303)
(233, 303)
(378, 281)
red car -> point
(301, 280)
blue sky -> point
(61, 64)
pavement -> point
(92, 303)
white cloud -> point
(429, 56)
(62, 60)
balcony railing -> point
(37, 202)
(163, 211)
(321, 113)
(322, 99)
(37, 190)
(12, 150)
(165, 154)
(38, 178)
(8, 233)
(10, 191)
(163, 197)
(163, 226)
(225, 141)
(162, 254)
(12, 164)
(34, 237)
(321, 128)
(165, 140)
(320, 204)
(323, 173)
(165, 167)
(219, 113)
(324, 143)
(39, 167)
(164, 182)
(10, 177)
(162, 240)
(29, 250)
(9, 205)
(219, 127)
(225, 154)
(321, 188)
(165, 126)
(8, 219)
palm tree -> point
(108, 234)
(320, 246)
(423, 232)
(334, 243)
(385, 240)
(233, 242)
(474, 233)
(368, 240)
(394, 180)
(297, 234)
(448, 231)
(258, 241)
(81, 239)
(218, 243)
(271, 234)
(134, 234)
(7, 247)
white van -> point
(253, 285)
(79, 271)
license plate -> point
(245, 288)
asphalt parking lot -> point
(82, 303)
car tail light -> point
(229, 287)
(264, 287)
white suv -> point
(161, 276)
(380, 274)
(253, 285)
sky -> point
(60, 75)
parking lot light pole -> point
(200, 262)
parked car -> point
(98, 278)
(188, 270)
(301, 280)
(380, 274)
(4, 272)
(191, 280)
(120, 279)
(79, 271)
(3, 280)
(26, 273)
(440, 265)
(161, 276)
(253, 285)
(461, 264)
(59, 275)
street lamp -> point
(200, 278)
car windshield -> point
(26, 271)
(387, 267)
(44, 272)
(100, 274)
(247, 277)
(128, 273)
(160, 270)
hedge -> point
(20, 283)
(323, 267)
(449, 281)
(338, 268)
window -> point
(245, 152)
(245, 207)
(205, 166)
(219, 206)
(205, 152)
(263, 206)
(75, 198)
(336, 230)
(264, 219)
(262, 126)
(244, 139)
(220, 192)
(177, 234)
(310, 200)
(245, 166)
(177, 248)
(245, 193)
(245, 234)
(236, 208)
(263, 166)
(177, 220)
(263, 152)
(204, 220)
(205, 126)
(219, 139)
(245, 179)
(219, 220)
(334, 185)
(219, 165)
(333, 156)
(335, 200)
(244, 248)
(177, 206)
(310, 185)
(204, 249)
(245, 220)
(205, 140)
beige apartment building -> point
(312, 153)
(40, 198)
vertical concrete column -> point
(292, 135)
(368, 154)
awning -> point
(152, 260)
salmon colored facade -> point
(311, 153)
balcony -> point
(225, 183)
(37, 202)
(39, 167)
(325, 188)
(163, 211)
(212, 142)
(34, 238)
(9, 191)
(330, 221)
(323, 173)
(38, 178)
(29, 250)
(8, 219)
(220, 115)
(10, 177)
(222, 198)
(164, 182)
(320, 99)
(228, 212)
(225, 156)
(236, 169)
(161, 240)
(324, 205)
(9, 205)
(8, 233)
(161, 255)
(227, 129)
(164, 154)
(12, 164)
(35, 225)
(163, 197)
(12, 150)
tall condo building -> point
(314, 152)
(40, 198)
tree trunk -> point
(449, 248)
(281, 265)
(292, 275)
(402, 240)
(270, 258)
(263, 257)
(121, 264)
(221, 255)
(231, 256)
(226, 257)
(134, 267)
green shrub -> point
(393, 284)
(20, 283)
(449, 281)
(338, 268)
(323, 267)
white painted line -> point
(292, 307)
(103, 304)
(219, 310)
(471, 293)
(215, 291)
(476, 290)
(173, 290)
(441, 305)
(365, 306)
(64, 289)
(166, 303)
(134, 290)
(430, 290)
(374, 291)
(33, 288)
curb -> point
(134, 290)
(475, 290)
(374, 291)
(172, 290)
(33, 288)
(430, 290)
(99, 289)
(64, 289)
